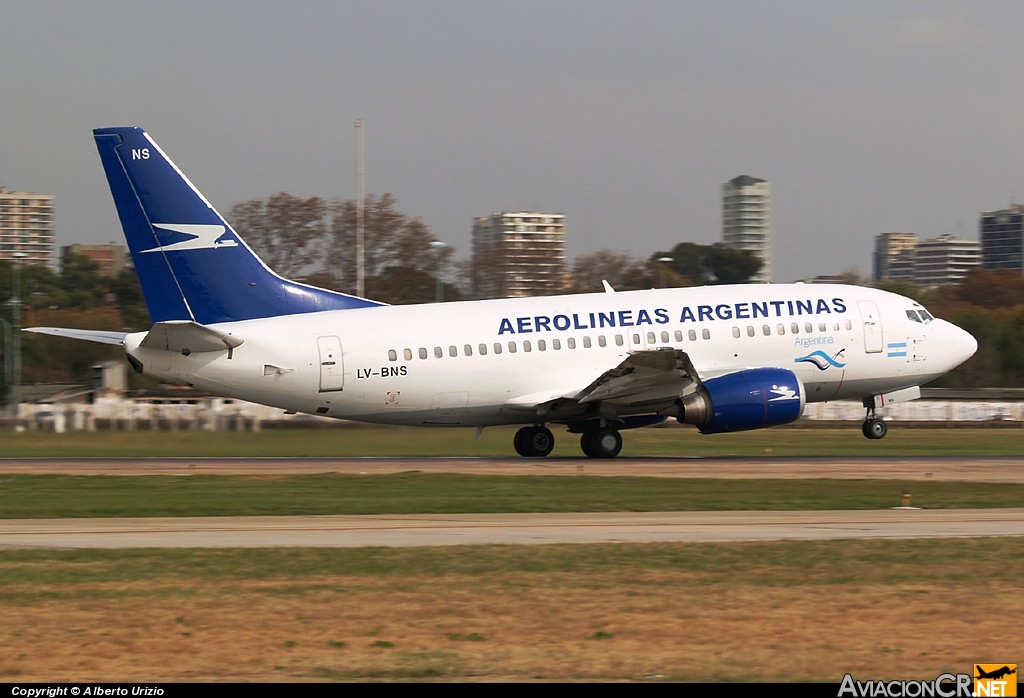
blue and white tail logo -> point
(203, 237)
(191, 264)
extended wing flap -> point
(187, 337)
(646, 373)
(101, 336)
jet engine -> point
(749, 399)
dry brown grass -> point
(519, 627)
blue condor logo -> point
(660, 316)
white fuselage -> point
(492, 362)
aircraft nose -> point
(960, 344)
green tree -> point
(286, 231)
(392, 240)
(619, 269)
(80, 283)
(711, 264)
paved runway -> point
(977, 469)
(473, 529)
(519, 529)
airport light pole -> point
(16, 333)
(664, 261)
(437, 245)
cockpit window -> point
(920, 315)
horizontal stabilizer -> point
(100, 336)
(187, 337)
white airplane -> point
(723, 358)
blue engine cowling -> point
(750, 399)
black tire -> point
(601, 443)
(534, 442)
(875, 429)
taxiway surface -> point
(472, 529)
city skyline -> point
(866, 119)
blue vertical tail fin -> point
(191, 264)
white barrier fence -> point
(218, 414)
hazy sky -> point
(866, 117)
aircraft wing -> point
(101, 336)
(654, 375)
(645, 375)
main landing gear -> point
(534, 442)
(537, 442)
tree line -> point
(314, 240)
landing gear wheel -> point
(601, 443)
(534, 442)
(874, 428)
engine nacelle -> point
(750, 399)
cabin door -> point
(872, 326)
(332, 368)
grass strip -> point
(59, 496)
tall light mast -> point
(360, 214)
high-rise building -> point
(1002, 238)
(747, 220)
(26, 227)
(945, 260)
(518, 254)
(937, 262)
(111, 258)
(894, 257)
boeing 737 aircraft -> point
(723, 358)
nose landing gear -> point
(873, 427)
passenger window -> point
(766, 330)
(601, 341)
(468, 350)
(750, 330)
(822, 326)
(556, 344)
(586, 343)
(453, 351)
(511, 347)
(571, 342)
(407, 353)
(692, 334)
(794, 328)
(736, 332)
(541, 345)
(483, 349)
(679, 335)
(527, 346)
(808, 327)
(636, 340)
(781, 329)
(706, 334)
(664, 337)
(619, 340)
(392, 355)
(849, 325)
(497, 348)
(651, 338)
(423, 352)
(438, 352)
